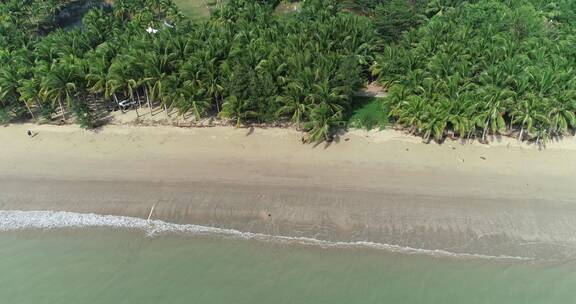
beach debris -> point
(346, 139)
(483, 158)
(29, 133)
(151, 210)
(407, 149)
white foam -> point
(11, 220)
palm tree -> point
(492, 111)
(187, 96)
(212, 81)
(410, 112)
(561, 116)
(29, 91)
(59, 85)
(156, 67)
(435, 120)
(97, 76)
(323, 118)
(9, 87)
(238, 109)
(528, 112)
(293, 103)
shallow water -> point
(119, 265)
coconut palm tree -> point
(293, 103)
(59, 85)
(238, 109)
(29, 90)
(97, 76)
(491, 113)
(528, 112)
(9, 85)
(187, 96)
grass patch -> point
(201, 9)
(196, 9)
(285, 7)
(371, 113)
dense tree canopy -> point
(245, 63)
(488, 67)
(459, 68)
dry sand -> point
(501, 199)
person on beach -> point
(29, 133)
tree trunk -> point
(217, 105)
(484, 132)
(165, 107)
(138, 96)
(116, 99)
(511, 129)
(62, 109)
(30, 111)
(522, 130)
(148, 100)
(118, 103)
(196, 113)
(132, 98)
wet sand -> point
(502, 199)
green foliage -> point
(4, 116)
(244, 63)
(84, 115)
(394, 17)
(465, 68)
(489, 67)
(46, 110)
(371, 113)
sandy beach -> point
(505, 198)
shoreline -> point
(501, 200)
(30, 221)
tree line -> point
(481, 68)
(245, 64)
(469, 69)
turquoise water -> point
(102, 265)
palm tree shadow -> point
(332, 139)
(250, 131)
(187, 115)
(102, 116)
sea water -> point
(51, 257)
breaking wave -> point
(11, 220)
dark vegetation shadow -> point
(101, 114)
(250, 131)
